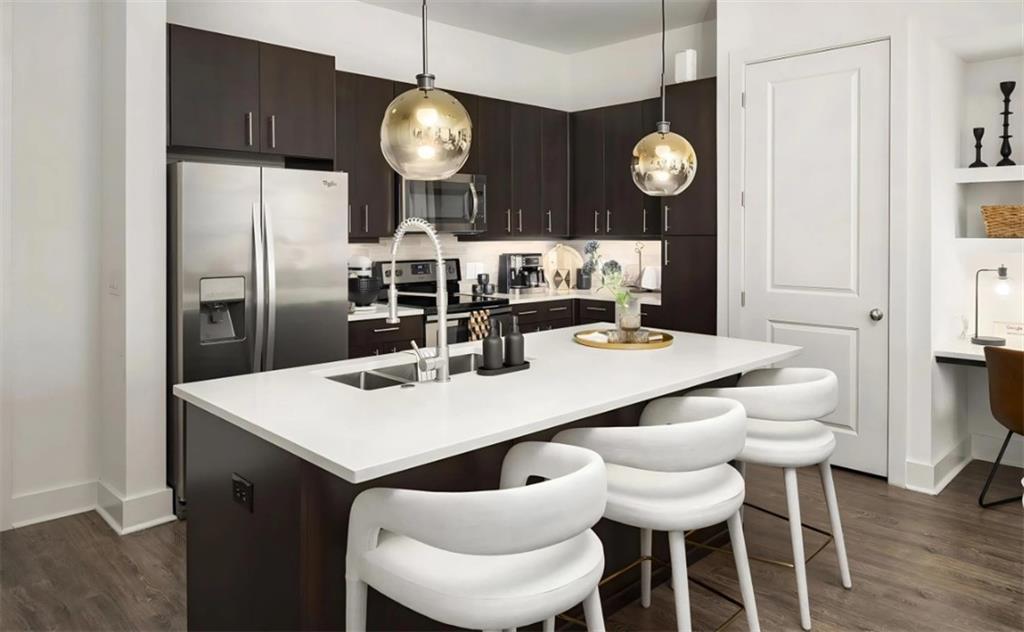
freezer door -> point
(306, 229)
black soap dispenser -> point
(514, 353)
(492, 347)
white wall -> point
(51, 347)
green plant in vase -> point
(627, 306)
(591, 262)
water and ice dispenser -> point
(221, 309)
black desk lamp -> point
(988, 341)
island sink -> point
(405, 373)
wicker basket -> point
(1004, 220)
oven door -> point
(458, 326)
(457, 205)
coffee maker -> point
(518, 273)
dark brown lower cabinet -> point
(377, 337)
(591, 311)
(544, 315)
(689, 283)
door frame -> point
(731, 258)
(6, 198)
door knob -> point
(876, 314)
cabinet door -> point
(214, 90)
(688, 283)
(526, 169)
(471, 103)
(624, 203)
(296, 102)
(361, 102)
(495, 160)
(587, 131)
(554, 181)
(690, 108)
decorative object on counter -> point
(663, 163)
(363, 287)
(641, 339)
(1004, 150)
(514, 348)
(493, 358)
(627, 306)
(479, 324)
(978, 162)
(651, 278)
(990, 341)
(585, 274)
(1003, 220)
(483, 285)
(426, 133)
(560, 264)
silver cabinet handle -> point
(508, 220)
(645, 219)
(248, 129)
(666, 217)
(876, 314)
(376, 352)
(549, 221)
(558, 309)
(666, 251)
(273, 131)
(607, 221)
(527, 312)
(257, 247)
(268, 231)
(366, 218)
(596, 215)
(385, 330)
(520, 220)
(350, 218)
(597, 309)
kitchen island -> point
(275, 460)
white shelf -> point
(989, 174)
(994, 245)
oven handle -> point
(476, 202)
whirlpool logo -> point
(329, 183)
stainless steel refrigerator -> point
(258, 277)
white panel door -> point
(815, 251)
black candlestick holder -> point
(978, 133)
(1006, 87)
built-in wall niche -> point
(982, 107)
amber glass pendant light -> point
(663, 163)
(426, 133)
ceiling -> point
(564, 26)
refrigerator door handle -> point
(268, 236)
(257, 247)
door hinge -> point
(743, 299)
(743, 199)
(743, 99)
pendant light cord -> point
(425, 37)
(662, 57)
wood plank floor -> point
(918, 563)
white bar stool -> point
(783, 406)
(672, 474)
(486, 560)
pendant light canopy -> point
(426, 133)
(663, 163)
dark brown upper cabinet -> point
(525, 141)
(554, 182)
(690, 107)
(587, 133)
(231, 94)
(296, 102)
(360, 104)
(213, 90)
(494, 155)
(623, 201)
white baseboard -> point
(53, 503)
(932, 478)
(124, 515)
(986, 448)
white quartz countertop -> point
(361, 435)
(381, 311)
(964, 349)
(646, 298)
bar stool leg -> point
(645, 567)
(837, 528)
(592, 612)
(741, 467)
(796, 535)
(680, 587)
(739, 552)
(549, 625)
(355, 605)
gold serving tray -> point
(666, 340)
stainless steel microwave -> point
(457, 205)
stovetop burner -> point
(456, 303)
(420, 275)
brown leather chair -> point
(1006, 398)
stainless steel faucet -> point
(439, 361)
